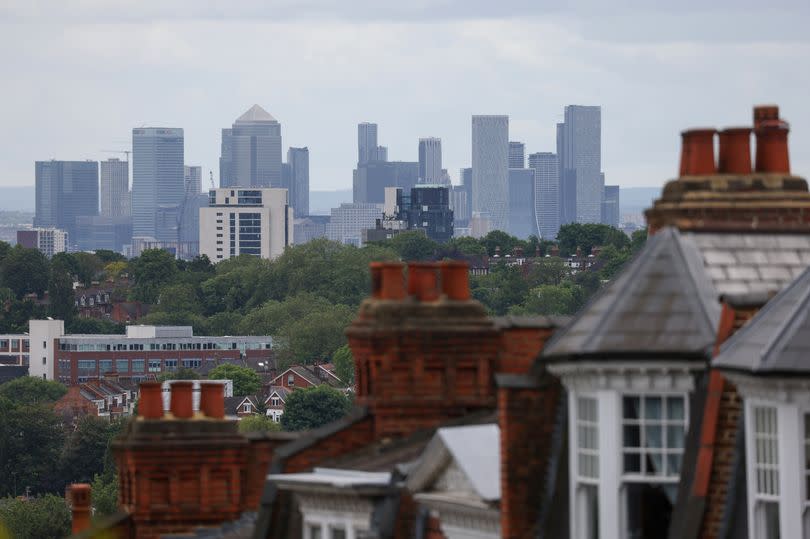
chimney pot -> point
(772, 146)
(212, 400)
(697, 152)
(181, 403)
(735, 151)
(764, 113)
(455, 280)
(80, 503)
(150, 405)
(376, 269)
(392, 281)
(423, 282)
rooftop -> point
(255, 114)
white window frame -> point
(583, 483)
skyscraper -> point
(114, 188)
(366, 143)
(517, 155)
(490, 168)
(546, 193)
(65, 190)
(580, 151)
(371, 179)
(158, 186)
(192, 180)
(522, 220)
(298, 160)
(430, 160)
(251, 151)
(610, 206)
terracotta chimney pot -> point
(765, 112)
(150, 405)
(772, 147)
(212, 400)
(423, 282)
(181, 403)
(697, 152)
(80, 503)
(455, 280)
(392, 285)
(735, 151)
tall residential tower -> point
(114, 190)
(298, 161)
(158, 182)
(546, 193)
(579, 147)
(490, 169)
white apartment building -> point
(349, 220)
(246, 221)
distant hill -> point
(17, 198)
(323, 201)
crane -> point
(125, 152)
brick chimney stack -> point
(426, 357)
(79, 497)
(186, 469)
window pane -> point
(652, 436)
(652, 407)
(675, 408)
(675, 436)
(674, 463)
(314, 531)
(632, 436)
(632, 463)
(338, 533)
(630, 406)
(655, 464)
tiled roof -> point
(777, 339)
(751, 262)
(661, 303)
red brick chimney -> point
(79, 497)
(427, 357)
(186, 469)
(772, 145)
(735, 151)
(697, 152)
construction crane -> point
(125, 152)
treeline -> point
(306, 297)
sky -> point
(79, 75)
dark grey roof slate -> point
(662, 302)
(777, 339)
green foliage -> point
(25, 271)
(464, 245)
(5, 247)
(245, 381)
(503, 287)
(178, 298)
(412, 245)
(313, 407)
(637, 240)
(258, 423)
(46, 517)
(88, 267)
(498, 238)
(85, 449)
(104, 495)
(549, 299)
(344, 364)
(93, 325)
(183, 373)
(587, 236)
(60, 292)
(28, 390)
(14, 318)
(225, 323)
(105, 256)
(151, 270)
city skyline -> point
(552, 58)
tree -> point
(46, 517)
(502, 288)
(637, 240)
(316, 336)
(498, 238)
(551, 270)
(84, 451)
(90, 326)
(183, 373)
(115, 269)
(28, 390)
(344, 364)
(225, 323)
(25, 271)
(549, 299)
(245, 381)
(179, 298)
(60, 292)
(462, 246)
(412, 245)
(87, 267)
(104, 495)
(151, 270)
(313, 407)
(587, 236)
(258, 423)
(106, 256)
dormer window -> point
(247, 408)
(275, 401)
(291, 380)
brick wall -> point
(355, 436)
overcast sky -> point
(78, 76)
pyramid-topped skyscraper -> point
(251, 151)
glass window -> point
(105, 365)
(653, 432)
(338, 533)
(138, 365)
(86, 366)
(314, 531)
(766, 472)
(122, 365)
(587, 511)
(587, 441)
(154, 365)
(291, 380)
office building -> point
(425, 208)
(522, 220)
(257, 222)
(347, 222)
(371, 179)
(48, 241)
(430, 160)
(460, 204)
(366, 143)
(192, 179)
(158, 184)
(610, 206)
(490, 168)
(100, 232)
(251, 151)
(546, 193)
(298, 162)
(189, 223)
(517, 155)
(114, 188)
(579, 143)
(310, 228)
(64, 191)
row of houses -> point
(675, 404)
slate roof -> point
(661, 303)
(753, 262)
(777, 339)
(255, 114)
